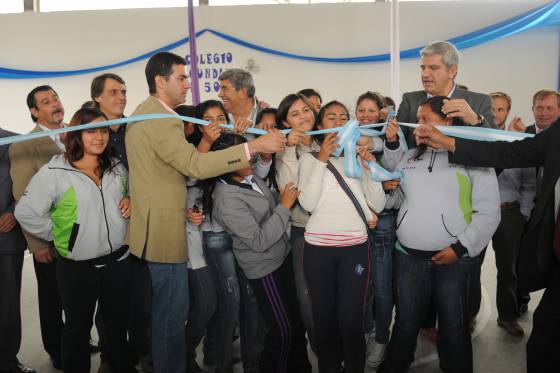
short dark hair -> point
(98, 85)
(309, 92)
(88, 105)
(436, 105)
(205, 105)
(263, 112)
(74, 146)
(32, 101)
(389, 102)
(161, 64)
(286, 104)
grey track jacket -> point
(63, 204)
(256, 224)
(443, 204)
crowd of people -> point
(167, 234)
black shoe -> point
(93, 347)
(57, 363)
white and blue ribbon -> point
(347, 138)
(119, 122)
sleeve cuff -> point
(392, 145)
(247, 152)
(459, 249)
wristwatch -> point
(480, 119)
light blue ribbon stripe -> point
(349, 135)
(114, 122)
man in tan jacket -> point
(26, 159)
(160, 159)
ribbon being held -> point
(347, 138)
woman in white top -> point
(296, 112)
(336, 250)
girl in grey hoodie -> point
(448, 214)
(246, 208)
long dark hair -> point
(270, 178)
(75, 146)
(226, 140)
(436, 104)
(286, 104)
(189, 111)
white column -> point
(395, 53)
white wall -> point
(519, 65)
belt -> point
(509, 205)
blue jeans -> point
(382, 276)
(170, 306)
(416, 281)
(218, 252)
(232, 290)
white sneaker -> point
(376, 355)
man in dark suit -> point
(439, 65)
(26, 158)
(541, 241)
(12, 247)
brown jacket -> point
(26, 158)
(159, 160)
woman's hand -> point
(242, 125)
(211, 132)
(296, 137)
(328, 147)
(372, 223)
(289, 195)
(391, 133)
(391, 184)
(195, 217)
(124, 206)
(445, 256)
(365, 157)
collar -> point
(227, 179)
(165, 105)
(450, 92)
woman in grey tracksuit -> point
(448, 214)
(79, 201)
(257, 224)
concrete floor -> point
(494, 350)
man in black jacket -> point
(541, 245)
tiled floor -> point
(494, 350)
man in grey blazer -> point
(439, 65)
(12, 247)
